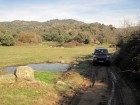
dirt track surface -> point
(108, 89)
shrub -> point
(100, 38)
(47, 37)
(59, 38)
(29, 37)
(7, 40)
(72, 44)
(82, 38)
(128, 56)
(63, 39)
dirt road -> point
(108, 89)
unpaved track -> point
(108, 89)
(123, 95)
(97, 95)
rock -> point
(24, 73)
(61, 83)
(8, 78)
(62, 61)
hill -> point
(61, 30)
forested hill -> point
(26, 25)
(60, 30)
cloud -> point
(104, 11)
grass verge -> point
(48, 77)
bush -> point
(7, 40)
(72, 44)
(128, 57)
(29, 37)
(59, 38)
(63, 39)
(48, 37)
(82, 38)
(100, 38)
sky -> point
(106, 12)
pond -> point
(51, 67)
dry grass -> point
(28, 93)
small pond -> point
(51, 67)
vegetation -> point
(48, 77)
(28, 37)
(128, 57)
(17, 97)
(16, 55)
(7, 40)
(50, 92)
(83, 38)
(62, 31)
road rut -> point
(108, 89)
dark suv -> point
(101, 56)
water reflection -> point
(43, 67)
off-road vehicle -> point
(101, 56)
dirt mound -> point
(75, 79)
(70, 75)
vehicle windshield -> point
(101, 51)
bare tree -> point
(138, 17)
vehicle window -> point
(101, 51)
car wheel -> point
(108, 64)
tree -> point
(100, 38)
(29, 37)
(62, 39)
(82, 38)
(7, 40)
(47, 37)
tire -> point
(108, 64)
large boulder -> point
(8, 78)
(24, 73)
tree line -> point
(127, 57)
(63, 31)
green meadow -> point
(36, 94)
(20, 55)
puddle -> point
(51, 67)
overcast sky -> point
(89, 11)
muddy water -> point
(43, 67)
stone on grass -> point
(24, 73)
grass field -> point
(38, 94)
(20, 55)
